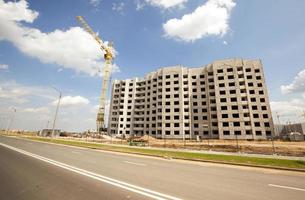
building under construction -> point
(222, 100)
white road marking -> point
(133, 163)
(137, 189)
(286, 187)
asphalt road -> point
(34, 170)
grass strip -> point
(233, 159)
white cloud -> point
(43, 110)
(73, 48)
(95, 3)
(35, 107)
(212, 18)
(3, 66)
(12, 91)
(166, 3)
(297, 85)
(291, 107)
(288, 110)
(225, 42)
(72, 101)
(139, 4)
(292, 110)
(118, 7)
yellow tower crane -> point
(108, 56)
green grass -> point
(270, 162)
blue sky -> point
(41, 46)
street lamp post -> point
(237, 146)
(57, 107)
(148, 139)
(207, 126)
(10, 122)
(273, 147)
(2, 120)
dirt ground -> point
(259, 147)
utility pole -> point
(56, 110)
(11, 121)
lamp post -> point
(2, 120)
(57, 107)
(11, 121)
(207, 126)
(273, 147)
(148, 139)
(237, 146)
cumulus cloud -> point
(118, 7)
(166, 3)
(72, 101)
(35, 107)
(139, 4)
(297, 85)
(291, 110)
(3, 66)
(72, 48)
(36, 110)
(17, 93)
(212, 18)
(95, 3)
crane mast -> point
(106, 72)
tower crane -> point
(108, 51)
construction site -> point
(222, 107)
(152, 99)
(222, 100)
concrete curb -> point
(177, 158)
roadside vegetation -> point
(229, 159)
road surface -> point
(35, 170)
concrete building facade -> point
(222, 100)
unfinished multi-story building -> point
(222, 100)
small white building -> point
(48, 133)
(296, 136)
